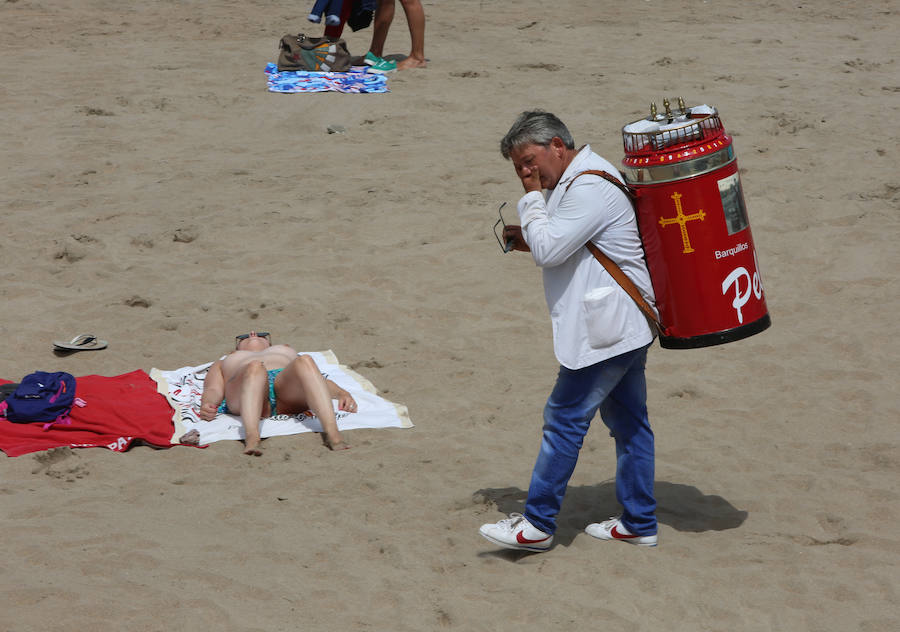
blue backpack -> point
(41, 396)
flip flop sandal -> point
(81, 342)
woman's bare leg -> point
(415, 17)
(301, 387)
(384, 15)
(246, 394)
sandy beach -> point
(155, 194)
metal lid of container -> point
(686, 134)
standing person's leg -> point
(567, 416)
(384, 15)
(625, 413)
(334, 31)
(415, 18)
(315, 14)
(300, 387)
(246, 395)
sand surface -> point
(155, 194)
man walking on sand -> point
(600, 336)
(259, 380)
(384, 15)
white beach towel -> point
(183, 388)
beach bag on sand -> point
(315, 54)
(41, 396)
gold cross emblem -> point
(681, 219)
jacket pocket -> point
(606, 315)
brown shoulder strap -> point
(622, 279)
(609, 178)
(614, 270)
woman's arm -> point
(345, 399)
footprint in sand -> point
(49, 463)
(92, 111)
(368, 364)
(137, 301)
(861, 64)
(540, 66)
(185, 234)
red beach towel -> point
(120, 410)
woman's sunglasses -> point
(260, 334)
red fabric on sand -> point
(120, 410)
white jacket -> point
(593, 318)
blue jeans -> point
(617, 388)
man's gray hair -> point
(535, 128)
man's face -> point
(547, 160)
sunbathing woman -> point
(258, 380)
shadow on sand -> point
(682, 507)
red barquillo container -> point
(693, 222)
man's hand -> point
(512, 233)
(208, 411)
(532, 181)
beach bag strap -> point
(614, 270)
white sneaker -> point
(613, 529)
(516, 532)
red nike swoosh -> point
(621, 536)
(521, 539)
